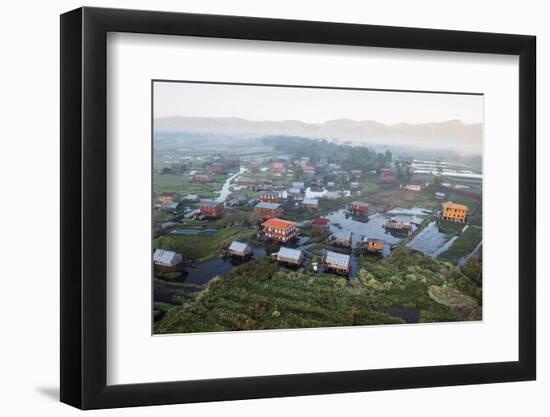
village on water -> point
(297, 232)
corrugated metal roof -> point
(268, 206)
(298, 184)
(294, 191)
(269, 192)
(337, 259)
(342, 235)
(311, 201)
(210, 203)
(166, 257)
(360, 203)
(287, 253)
(239, 247)
(171, 206)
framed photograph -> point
(257, 208)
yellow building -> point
(454, 212)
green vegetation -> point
(201, 248)
(183, 185)
(464, 244)
(262, 295)
(348, 157)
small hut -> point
(288, 256)
(268, 210)
(337, 262)
(359, 208)
(320, 225)
(373, 245)
(310, 203)
(398, 227)
(239, 250)
(342, 239)
(211, 208)
(167, 260)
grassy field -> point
(183, 185)
(465, 244)
(201, 248)
(262, 295)
(396, 197)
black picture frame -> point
(84, 207)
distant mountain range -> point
(451, 134)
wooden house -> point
(280, 230)
(201, 178)
(268, 196)
(268, 210)
(454, 212)
(320, 225)
(398, 227)
(359, 208)
(354, 186)
(337, 262)
(167, 197)
(211, 209)
(342, 239)
(295, 194)
(356, 173)
(372, 245)
(288, 256)
(279, 168)
(310, 203)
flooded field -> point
(430, 241)
(373, 227)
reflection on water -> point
(430, 241)
(341, 220)
(204, 272)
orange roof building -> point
(280, 230)
(454, 212)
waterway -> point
(225, 190)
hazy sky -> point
(311, 105)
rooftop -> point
(268, 206)
(269, 192)
(278, 223)
(450, 204)
(239, 247)
(311, 201)
(342, 235)
(210, 203)
(166, 257)
(294, 254)
(360, 204)
(337, 259)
